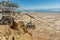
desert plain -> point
(47, 27)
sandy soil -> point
(47, 27)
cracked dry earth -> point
(47, 28)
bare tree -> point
(8, 5)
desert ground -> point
(47, 27)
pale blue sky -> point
(38, 4)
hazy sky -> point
(38, 4)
